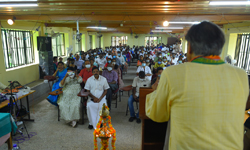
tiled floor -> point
(54, 135)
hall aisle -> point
(50, 134)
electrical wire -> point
(36, 22)
(233, 25)
(134, 24)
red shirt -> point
(106, 65)
(85, 74)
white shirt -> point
(79, 64)
(87, 57)
(122, 59)
(137, 83)
(110, 56)
(184, 57)
(147, 70)
(151, 57)
(174, 61)
(165, 63)
(97, 86)
(168, 58)
(101, 62)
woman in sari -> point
(60, 73)
(128, 57)
(69, 102)
(139, 62)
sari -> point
(53, 98)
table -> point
(7, 126)
(5, 103)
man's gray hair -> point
(206, 39)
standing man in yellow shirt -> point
(204, 99)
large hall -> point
(124, 75)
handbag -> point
(20, 112)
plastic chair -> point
(126, 88)
(137, 102)
(114, 94)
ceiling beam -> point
(44, 17)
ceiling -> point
(137, 16)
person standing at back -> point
(101, 61)
(78, 63)
(204, 100)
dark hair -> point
(68, 58)
(71, 68)
(116, 67)
(206, 39)
(55, 57)
(159, 68)
(141, 74)
(95, 68)
(72, 61)
(60, 63)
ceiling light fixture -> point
(168, 27)
(229, 3)
(184, 22)
(103, 28)
(161, 31)
(11, 21)
(19, 5)
(165, 23)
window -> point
(58, 45)
(242, 54)
(17, 48)
(119, 40)
(152, 40)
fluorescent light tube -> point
(184, 22)
(229, 3)
(18, 5)
(161, 31)
(104, 28)
(168, 27)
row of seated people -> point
(82, 69)
(69, 79)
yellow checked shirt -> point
(206, 105)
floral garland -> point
(112, 132)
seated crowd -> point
(100, 73)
